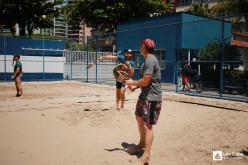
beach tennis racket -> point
(120, 73)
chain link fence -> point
(216, 51)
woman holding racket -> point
(120, 86)
(150, 99)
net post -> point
(43, 58)
(5, 59)
(96, 57)
(87, 60)
(71, 63)
(221, 57)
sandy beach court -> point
(74, 123)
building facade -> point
(173, 33)
(182, 5)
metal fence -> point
(216, 51)
(204, 76)
(76, 62)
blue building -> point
(173, 33)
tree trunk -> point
(22, 29)
(30, 31)
(12, 29)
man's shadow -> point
(125, 147)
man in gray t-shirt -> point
(149, 103)
(153, 91)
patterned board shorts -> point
(148, 110)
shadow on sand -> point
(124, 148)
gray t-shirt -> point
(153, 91)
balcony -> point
(240, 40)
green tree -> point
(210, 65)
(213, 49)
(28, 14)
(201, 9)
(232, 8)
(210, 52)
(105, 14)
(71, 45)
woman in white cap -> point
(120, 87)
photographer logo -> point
(217, 155)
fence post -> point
(4, 52)
(221, 57)
(43, 53)
(176, 72)
(71, 63)
(96, 56)
(87, 60)
(177, 58)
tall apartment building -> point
(59, 26)
(66, 30)
(84, 32)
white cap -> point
(128, 50)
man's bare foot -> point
(123, 109)
(117, 106)
(145, 158)
(122, 105)
(141, 146)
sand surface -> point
(72, 123)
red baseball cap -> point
(148, 43)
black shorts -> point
(119, 85)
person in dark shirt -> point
(17, 75)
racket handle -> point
(135, 88)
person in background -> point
(17, 75)
(186, 77)
(120, 87)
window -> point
(184, 54)
(139, 59)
